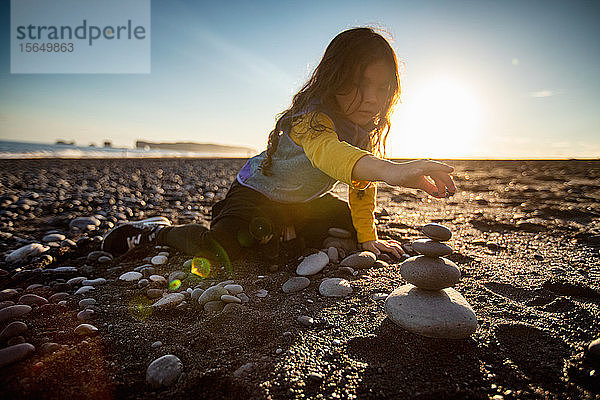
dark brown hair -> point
(342, 65)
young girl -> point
(335, 130)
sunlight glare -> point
(440, 119)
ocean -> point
(10, 149)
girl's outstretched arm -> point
(430, 176)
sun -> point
(437, 119)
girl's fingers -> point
(448, 181)
(440, 187)
(426, 185)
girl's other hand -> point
(430, 176)
(389, 246)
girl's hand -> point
(419, 174)
(389, 246)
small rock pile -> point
(428, 305)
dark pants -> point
(246, 219)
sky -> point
(480, 79)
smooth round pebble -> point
(234, 289)
(92, 282)
(50, 347)
(17, 352)
(295, 284)
(85, 315)
(85, 330)
(361, 260)
(243, 297)
(87, 302)
(213, 293)
(312, 264)
(84, 289)
(227, 298)
(195, 295)
(32, 299)
(29, 250)
(169, 301)
(431, 273)
(438, 314)
(15, 311)
(164, 371)
(431, 248)
(130, 276)
(335, 287)
(76, 281)
(333, 255)
(13, 329)
(56, 297)
(305, 320)
(158, 279)
(156, 344)
(158, 260)
(7, 294)
(54, 237)
(436, 232)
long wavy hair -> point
(341, 67)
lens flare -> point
(174, 284)
(201, 267)
(140, 308)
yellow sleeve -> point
(326, 152)
(336, 158)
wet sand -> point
(526, 236)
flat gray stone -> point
(15, 311)
(361, 260)
(12, 354)
(295, 284)
(436, 232)
(164, 371)
(333, 254)
(195, 295)
(169, 301)
(312, 264)
(335, 287)
(84, 289)
(85, 330)
(131, 276)
(431, 273)
(92, 282)
(234, 289)
(431, 248)
(32, 299)
(54, 237)
(29, 250)
(228, 298)
(438, 314)
(158, 260)
(213, 293)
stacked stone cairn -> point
(428, 305)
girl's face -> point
(362, 104)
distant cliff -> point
(195, 147)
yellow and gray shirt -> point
(307, 164)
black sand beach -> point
(526, 235)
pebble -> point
(158, 279)
(15, 311)
(261, 293)
(438, 314)
(214, 306)
(380, 296)
(243, 297)
(594, 348)
(87, 302)
(230, 307)
(76, 281)
(234, 289)
(333, 255)
(306, 320)
(156, 344)
(436, 232)
(243, 370)
(164, 371)
(85, 315)
(7, 294)
(15, 340)
(335, 287)
(188, 263)
(56, 297)
(50, 347)
(143, 282)
(29, 250)
(84, 223)
(315, 376)
(431, 273)
(169, 301)
(295, 284)
(431, 248)
(227, 298)
(54, 237)
(84, 289)
(92, 282)
(177, 275)
(96, 255)
(131, 276)
(158, 260)
(338, 233)
(312, 264)
(85, 330)
(12, 354)
(213, 293)
(13, 329)
(361, 260)
(32, 299)
(195, 295)
(6, 303)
